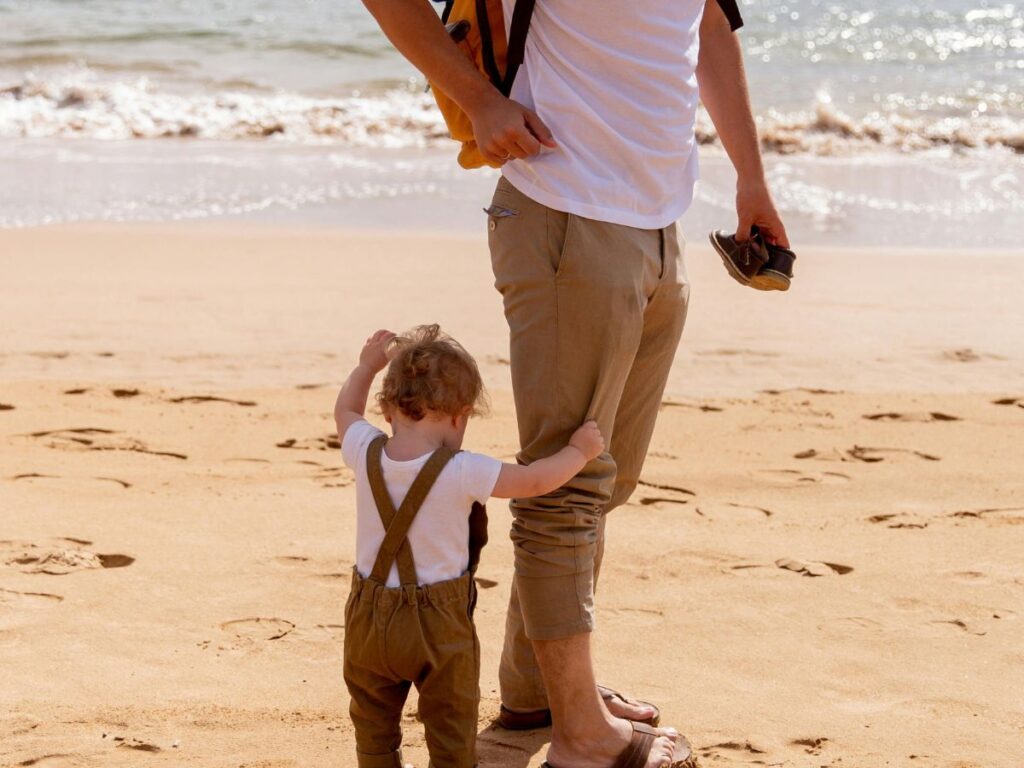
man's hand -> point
(375, 355)
(504, 129)
(754, 206)
(588, 440)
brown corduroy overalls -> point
(396, 637)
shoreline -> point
(863, 201)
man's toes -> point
(662, 752)
(630, 710)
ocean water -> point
(894, 123)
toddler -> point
(419, 528)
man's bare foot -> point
(629, 709)
(603, 749)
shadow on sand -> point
(497, 746)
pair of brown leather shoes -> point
(755, 261)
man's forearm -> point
(415, 30)
(723, 89)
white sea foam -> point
(78, 104)
(81, 104)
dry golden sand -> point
(828, 574)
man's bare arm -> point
(503, 128)
(723, 89)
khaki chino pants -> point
(595, 312)
(393, 642)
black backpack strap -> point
(521, 16)
(447, 12)
(487, 43)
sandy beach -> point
(822, 565)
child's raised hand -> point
(375, 351)
(588, 440)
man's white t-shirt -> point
(439, 535)
(616, 83)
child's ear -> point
(462, 416)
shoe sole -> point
(771, 280)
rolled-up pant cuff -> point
(555, 607)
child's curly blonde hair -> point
(431, 372)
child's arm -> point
(545, 475)
(351, 403)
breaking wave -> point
(81, 105)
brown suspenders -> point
(397, 522)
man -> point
(599, 154)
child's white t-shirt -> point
(439, 535)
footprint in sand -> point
(293, 560)
(657, 499)
(968, 355)
(702, 407)
(6, 407)
(730, 510)
(922, 416)
(16, 725)
(36, 477)
(97, 439)
(211, 399)
(13, 598)
(812, 567)
(866, 454)
(76, 391)
(319, 568)
(58, 557)
(730, 750)
(258, 628)
(959, 624)
(326, 443)
(124, 393)
(807, 390)
(649, 501)
(17, 607)
(54, 760)
(812, 746)
(139, 746)
(795, 477)
(992, 515)
(898, 520)
(665, 487)
(1017, 401)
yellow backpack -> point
(477, 27)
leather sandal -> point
(541, 718)
(638, 750)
